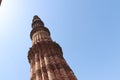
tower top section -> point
(35, 20)
(39, 31)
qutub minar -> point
(46, 56)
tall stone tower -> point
(45, 56)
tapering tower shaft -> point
(45, 56)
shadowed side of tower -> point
(46, 56)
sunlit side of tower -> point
(46, 56)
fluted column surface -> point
(47, 62)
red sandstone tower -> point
(45, 56)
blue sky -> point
(87, 30)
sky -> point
(87, 30)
